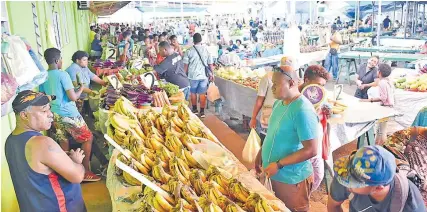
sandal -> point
(91, 177)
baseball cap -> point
(28, 98)
(368, 166)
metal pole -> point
(379, 25)
(401, 15)
(394, 13)
(424, 16)
(373, 16)
(407, 17)
(413, 17)
(358, 17)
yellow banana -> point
(140, 167)
(186, 141)
(140, 133)
(231, 208)
(177, 121)
(147, 160)
(265, 206)
(158, 206)
(131, 180)
(221, 189)
(220, 180)
(258, 207)
(174, 169)
(190, 160)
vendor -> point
(239, 45)
(66, 118)
(96, 48)
(366, 77)
(424, 48)
(232, 45)
(159, 58)
(172, 68)
(44, 177)
(80, 74)
(290, 142)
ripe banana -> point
(232, 208)
(158, 206)
(140, 133)
(146, 160)
(155, 144)
(160, 174)
(140, 167)
(186, 141)
(221, 181)
(131, 180)
(190, 159)
(174, 169)
(177, 121)
(265, 206)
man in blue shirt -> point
(66, 118)
(290, 142)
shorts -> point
(199, 86)
(75, 127)
(295, 196)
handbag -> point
(333, 51)
(208, 70)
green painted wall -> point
(77, 23)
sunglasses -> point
(278, 69)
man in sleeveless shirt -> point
(45, 178)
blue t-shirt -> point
(96, 46)
(84, 74)
(299, 123)
(57, 83)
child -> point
(386, 97)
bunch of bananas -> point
(160, 145)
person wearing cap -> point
(290, 142)
(331, 61)
(44, 177)
(369, 180)
(67, 120)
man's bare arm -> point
(55, 158)
(308, 151)
(334, 206)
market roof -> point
(104, 8)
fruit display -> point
(170, 88)
(337, 107)
(243, 76)
(159, 145)
(418, 83)
(138, 95)
(106, 64)
(309, 48)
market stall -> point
(383, 56)
(166, 158)
(385, 49)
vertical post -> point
(424, 16)
(358, 17)
(394, 14)
(379, 24)
(407, 17)
(182, 10)
(401, 15)
(311, 18)
(373, 16)
(416, 16)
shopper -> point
(386, 98)
(331, 61)
(92, 33)
(290, 142)
(233, 46)
(159, 58)
(176, 47)
(196, 60)
(66, 118)
(44, 177)
(368, 178)
(366, 77)
(172, 68)
(317, 75)
(124, 48)
(386, 23)
(80, 74)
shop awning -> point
(104, 8)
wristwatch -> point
(279, 166)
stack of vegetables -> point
(137, 94)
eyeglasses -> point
(278, 69)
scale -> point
(316, 94)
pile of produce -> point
(160, 98)
(138, 95)
(171, 89)
(135, 71)
(231, 72)
(107, 64)
(413, 84)
(159, 146)
(248, 82)
(236, 32)
(309, 48)
(337, 107)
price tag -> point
(148, 79)
(137, 64)
(111, 52)
(114, 81)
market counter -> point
(230, 139)
(237, 97)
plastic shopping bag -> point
(213, 92)
(252, 147)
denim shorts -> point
(199, 86)
(186, 92)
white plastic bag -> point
(18, 61)
(252, 147)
